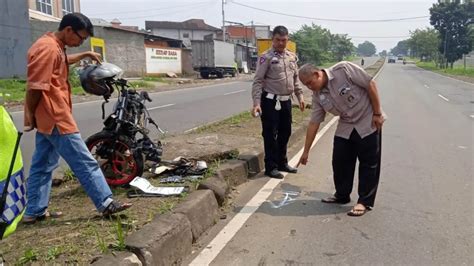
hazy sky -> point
(384, 35)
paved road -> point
(424, 209)
(175, 111)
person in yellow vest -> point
(12, 180)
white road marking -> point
(234, 92)
(472, 116)
(208, 254)
(161, 106)
(426, 86)
(444, 98)
(153, 93)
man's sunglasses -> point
(80, 37)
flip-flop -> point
(46, 215)
(115, 207)
(335, 200)
(357, 212)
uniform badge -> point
(262, 60)
(344, 90)
(275, 60)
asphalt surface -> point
(424, 209)
(174, 111)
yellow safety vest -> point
(12, 179)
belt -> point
(278, 98)
(282, 98)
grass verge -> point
(455, 71)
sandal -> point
(357, 212)
(336, 200)
(115, 207)
(32, 219)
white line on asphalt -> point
(444, 98)
(161, 106)
(153, 93)
(208, 254)
(426, 86)
(472, 116)
(234, 92)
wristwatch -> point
(377, 114)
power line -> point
(378, 37)
(328, 19)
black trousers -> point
(276, 131)
(345, 153)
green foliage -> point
(142, 84)
(53, 253)
(101, 242)
(317, 45)
(366, 49)
(120, 235)
(68, 175)
(457, 70)
(15, 88)
(401, 48)
(30, 255)
(453, 20)
(424, 43)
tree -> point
(366, 49)
(424, 43)
(313, 43)
(401, 48)
(383, 53)
(341, 46)
(452, 20)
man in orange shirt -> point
(48, 108)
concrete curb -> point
(201, 209)
(218, 186)
(164, 241)
(124, 258)
(234, 172)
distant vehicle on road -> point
(213, 57)
(392, 59)
(400, 57)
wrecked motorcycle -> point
(123, 145)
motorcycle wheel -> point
(117, 158)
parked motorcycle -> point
(123, 145)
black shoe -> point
(274, 174)
(288, 169)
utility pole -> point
(223, 21)
(446, 46)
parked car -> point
(392, 59)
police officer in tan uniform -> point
(347, 91)
(276, 79)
